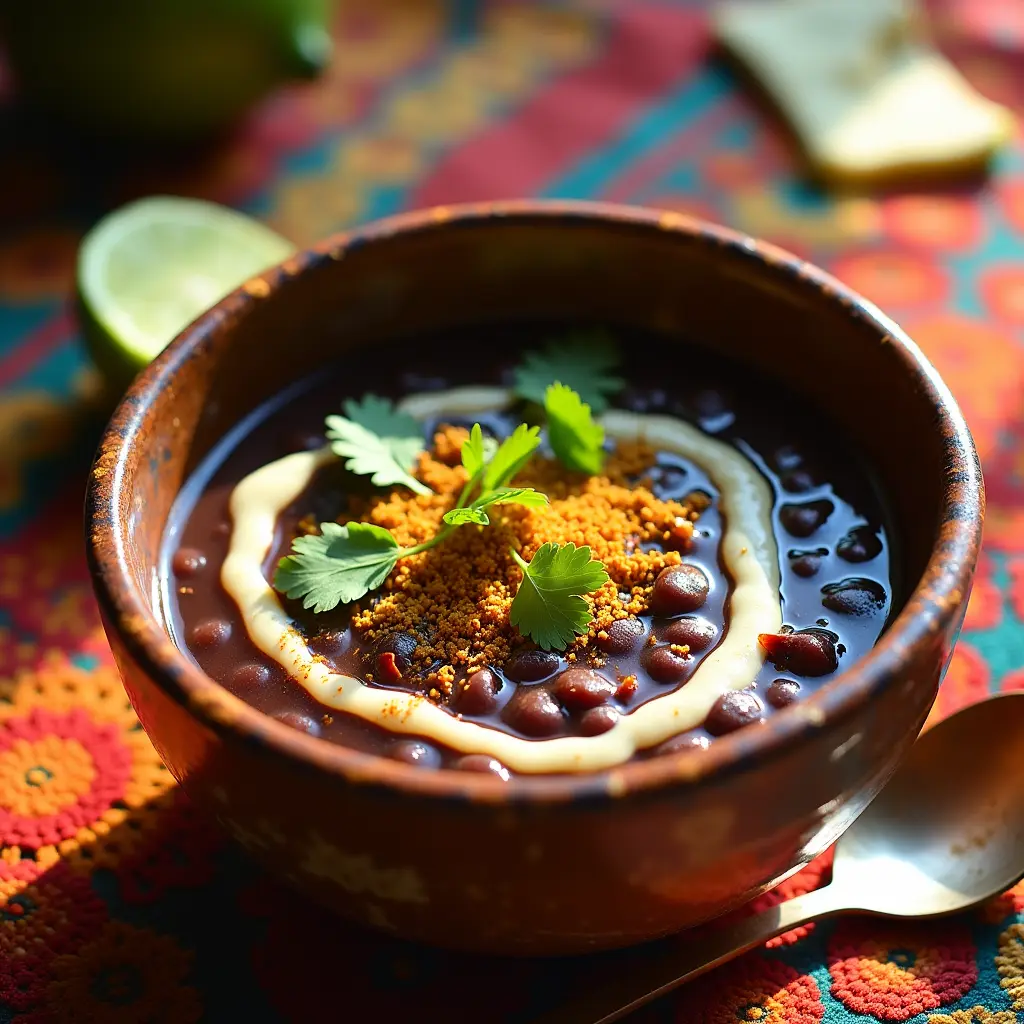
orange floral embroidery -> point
(894, 279)
(988, 389)
(895, 971)
(755, 990)
(124, 975)
(96, 786)
(933, 221)
(1002, 291)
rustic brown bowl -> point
(557, 864)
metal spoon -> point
(946, 833)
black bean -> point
(668, 480)
(860, 544)
(187, 562)
(782, 692)
(811, 652)
(299, 721)
(415, 752)
(805, 566)
(797, 481)
(476, 695)
(579, 688)
(399, 643)
(713, 409)
(531, 666)
(534, 712)
(692, 631)
(330, 643)
(801, 520)
(853, 596)
(684, 741)
(598, 720)
(482, 763)
(786, 458)
(621, 636)
(210, 633)
(663, 665)
(732, 711)
(679, 589)
(249, 675)
(390, 658)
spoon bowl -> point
(945, 834)
(947, 831)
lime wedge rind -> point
(150, 268)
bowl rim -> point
(930, 611)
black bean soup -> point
(828, 521)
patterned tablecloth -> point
(117, 901)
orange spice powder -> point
(457, 596)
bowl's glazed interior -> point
(423, 274)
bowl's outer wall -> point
(473, 868)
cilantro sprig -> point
(572, 380)
(549, 606)
(343, 563)
(378, 441)
(575, 438)
(584, 361)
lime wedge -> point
(149, 269)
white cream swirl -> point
(747, 548)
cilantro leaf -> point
(512, 496)
(461, 516)
(378, 441)
(339, 565)
(513, 453)
(506, 496)
(549, 606)
(574, 436)
(475, 450)
(584, 361)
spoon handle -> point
(663, 966)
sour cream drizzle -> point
(748, 551)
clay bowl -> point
(559, 864)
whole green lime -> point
(160, 69)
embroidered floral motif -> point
(44, 911)
(58, 773)
(124, 975)
(897, 970)
(78, 776)
(977, 1015)
(1010, 964)
(755, 990)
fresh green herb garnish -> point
(570, 379)
(575, 438)
(474, 513)
(338, 566)
(378, 441)
(549, 606)
(345, 562)
(583, 362)
(513, 453)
